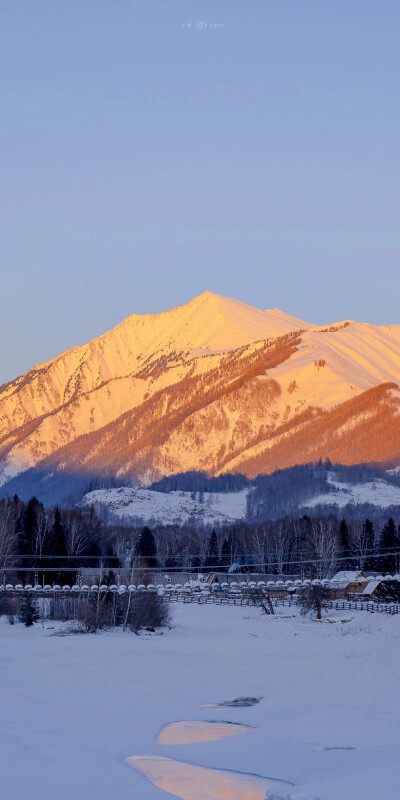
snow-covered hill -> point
(376, 493)
(145, 506)
(204, 509)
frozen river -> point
(75, 708)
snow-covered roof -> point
(348, 576)
(370, 587)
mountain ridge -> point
(214, 377)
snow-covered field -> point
(74, 708)
(209, 508)
(377, 493)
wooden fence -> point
(247, 600)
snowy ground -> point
(74, 708)
(219, 508)
(377, 493)
(209, 508)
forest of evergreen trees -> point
(284, 491)
(49, 545)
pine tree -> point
(29, 613)
(212, 558)
(369, 545)
(146, 549)
(389, 547)
(29, 527)
(28, 534)
(344, 546)
(57, 530)
(226, 553)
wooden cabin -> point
(347, 582)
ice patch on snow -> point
(198, 731)
(201, 783)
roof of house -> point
(370, 587)
(349, 576)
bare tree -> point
(260, 544)
(8, 536)
(280, 544)
(322, 547)
(77, 533)
(363, 543)
(41, 531)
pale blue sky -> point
(143, 162)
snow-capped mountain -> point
(213, 385)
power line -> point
(265, 565)
(384, 551)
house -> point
(387, 590)
(346, 582)
(381, 590)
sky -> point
(152, 149)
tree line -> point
(49, 545)
(313, 547)
(53, 546)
